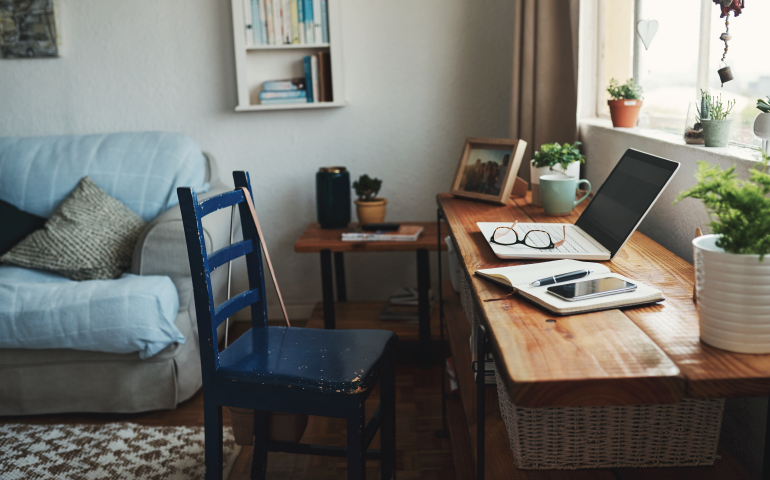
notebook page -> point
(522, 275)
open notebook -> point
(519, 278)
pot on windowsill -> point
(716, 133)
(371, 212)
(733, 298)
(762, 130)
(624, 113)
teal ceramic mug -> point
(558, 193)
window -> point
(683, 58)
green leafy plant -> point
(552, 154)
(367, 188)
(628, 91)
(739, 209)
(763, 105)
(712, 107)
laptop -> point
(615, 212)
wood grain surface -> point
(672, 326)
(315, 239)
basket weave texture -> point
(679, 435)
(466, 300)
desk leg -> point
(443, 433)
(327, 287)
(423, 291)
(480, 399)
(766, 458)
(339, 275)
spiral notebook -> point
(519, 277)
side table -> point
(328, 241)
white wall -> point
(419, 76)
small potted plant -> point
(732, 275)
(713, 116)
(369, 207)
(762, 124)
(554, 157)
(625, 104)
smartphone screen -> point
(591, 288)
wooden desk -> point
(620, 357)
(325, 241)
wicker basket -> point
(466, 300)
(680, 435)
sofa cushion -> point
(142, 170)
(41, 310)
(90, 236)
(15, 224)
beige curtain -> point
(545, 52)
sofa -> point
(142, 170)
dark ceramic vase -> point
(332, 188)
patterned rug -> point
(124, 451)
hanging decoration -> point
(646, 29)
(727, 6)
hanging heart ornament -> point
(647, 30)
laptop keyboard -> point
(574, 242)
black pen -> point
(564, 277)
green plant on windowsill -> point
(712, 107)
(628, 91)
(739, 209)
(552, 154)
(763, 105)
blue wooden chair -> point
(297, 370)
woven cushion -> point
(91, 236)
(15, 225)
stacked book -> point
(489, 362)
(314, 87)
(403, 306)
(286, 22)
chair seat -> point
(331, 361)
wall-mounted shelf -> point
(256, 64)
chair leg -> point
(212, 421)
(259, 458)
(388, 426)
(356, 425)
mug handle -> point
(587, 193)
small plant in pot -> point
(554, 157)
(762, 124)
(369, 207)
(713, 116)
(625, 104)
(732, 273)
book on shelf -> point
(301, 20)
(314, 78)
(262, 22)
(408, 296)
(270, 20)
(281, 101)
(325, 20)
(277, 22)
(405, 233)
(309, 79)
(325, 77)
(263, 95)
(294, 22)
(286, 19)
(309, 27)
(317, 26)
(248, 22)
(519, 278)
(489, 362)
(283, 85)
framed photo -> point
(488, 168)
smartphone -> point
(572, 292)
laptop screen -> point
(625, 198)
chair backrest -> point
(210, 316)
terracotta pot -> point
(282, 427)
(371, 212)
(625, 113)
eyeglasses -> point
(539, 239)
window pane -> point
(747, 58)
(669, 69)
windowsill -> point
(731, 153)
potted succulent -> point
(713, 116)
(369, 207)
(625, 104)
(553, 157)
(762, 124)
(732, 275)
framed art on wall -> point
(488, 168)
(28, 29)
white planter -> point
(733, 298)
(762, 130)
(573, 170)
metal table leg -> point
(339, 275)
(327, 287)
(766, 457)
(481, 353)
(443, 433)
(423, 290)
